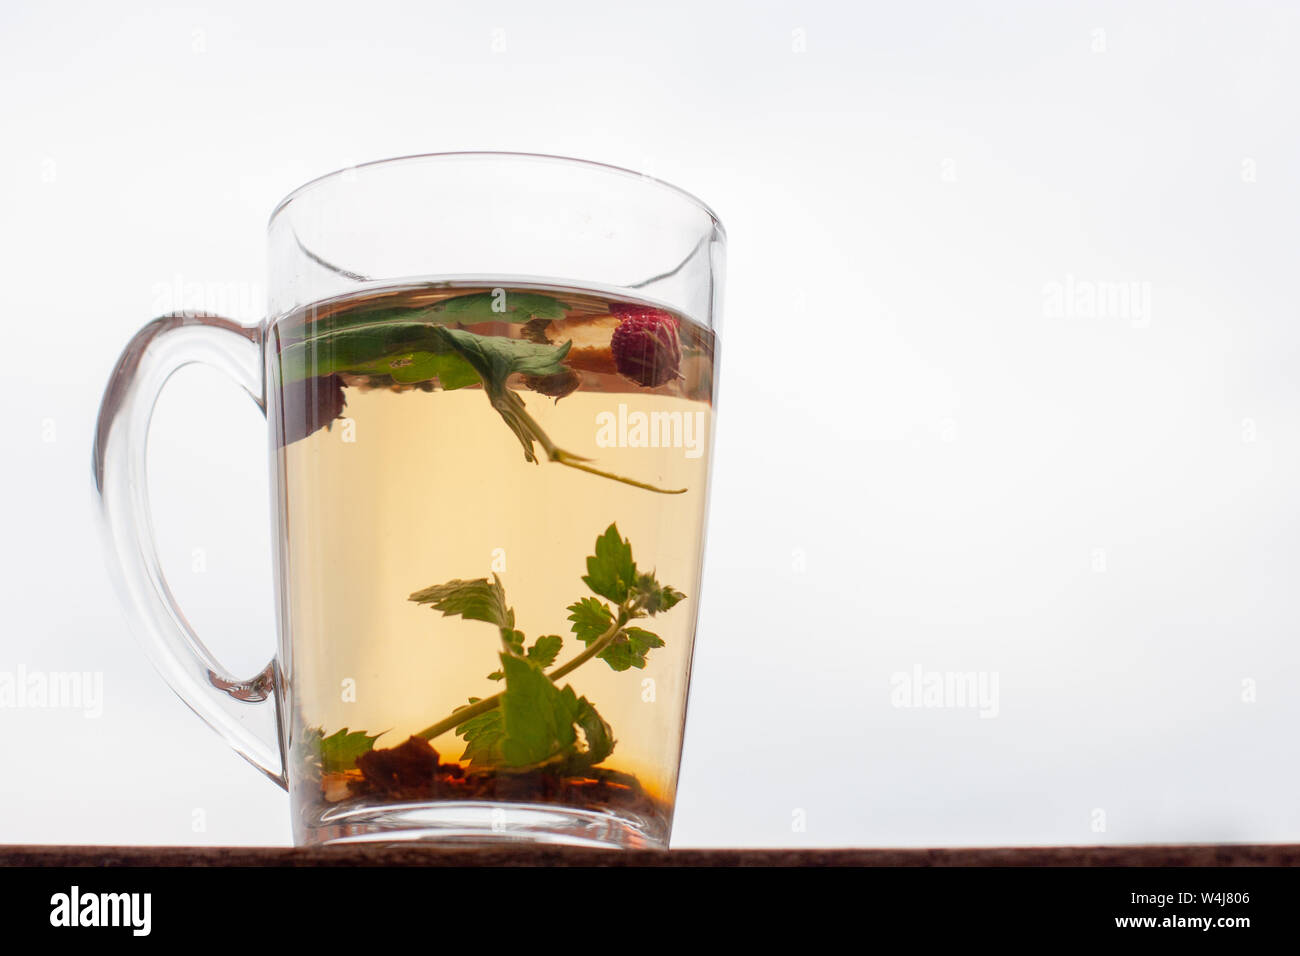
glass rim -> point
(312, 184)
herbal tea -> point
(492, 515)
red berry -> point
(645, 345)
(626, 310)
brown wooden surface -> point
(425, 855)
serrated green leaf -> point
(536, 724)
(536, 717)
(597, 741)
(591, 618)
(502, 306)
(476, 600)
(654, 597)
(514, 643)
(482, 735)
(670, 597)
(545, 650)
(611, 570)
(340, 750)
(629, 648)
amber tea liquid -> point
(400, 473)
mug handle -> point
(236, 709)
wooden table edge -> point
(1172, 855)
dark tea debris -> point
(413, 771)
(412, 767)
(555, 386)
(534, 330)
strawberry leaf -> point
(545, 650)
(501, 305)
(476, 600)
(591, 619)
(611, 570)
(339, 751)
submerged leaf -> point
(339, 751)
(545, 650)
(537, 724)
(629, 648)
(483, 735)
(655, 597)
(591, 619)
(537, 721)
(611, 570)
(476, 600)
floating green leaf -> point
(409, 368)
(501, 305)
(407, 350)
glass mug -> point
(489, 381)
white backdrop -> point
(1009, 387)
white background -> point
(921, 461)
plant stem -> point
(458, 717)
(594, 648)
(562, 457)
